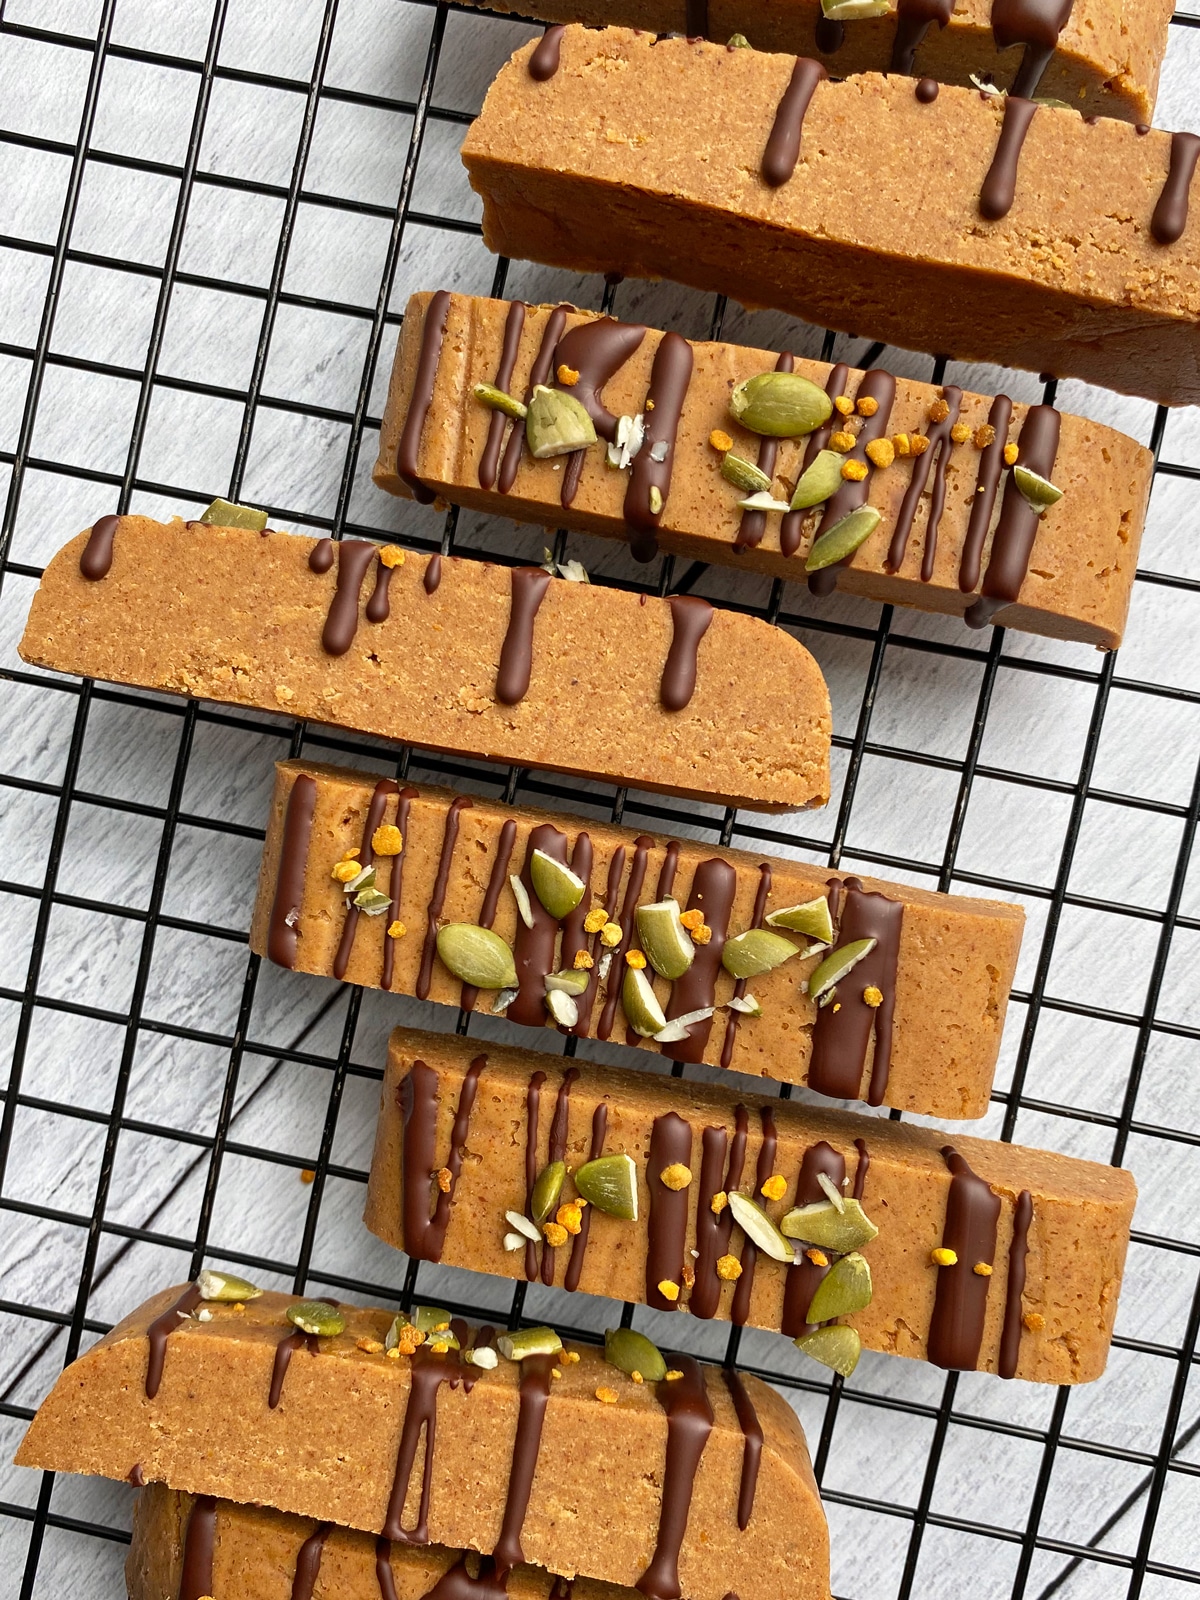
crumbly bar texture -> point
(1106, 63)
(646, 159)
(260, 1554)
(584, 1493)
(1076, 1240)
(236, 616)
(947, 985)
(1080, 571)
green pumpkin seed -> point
(428, 1319)
(764, 502)
(854, 10)
(556, 424)
(496, 400)
(758, 1227)
(824, 1225)
(555, 885)
(843, 539)
(224, 1286)
(547, 1190)
(522, 1342)
(476, 955)
(819, 480)
(224, 514)
(1038, 491)
(642, 1010)
(485, 1358)
(810, 917)
(756, 951)
(571, 981)
(836, 965)
(314, 1316)
(838, 1347)
(738, 41)
(610, 1184)
(630, 1352)
(372, 902)
(665, 940)
(744, 475)
(782, 405)
(844, 1289)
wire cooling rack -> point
(210, 217)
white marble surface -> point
(177, 1066)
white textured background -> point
(262, 317)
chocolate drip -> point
(529, 585)
(1171, 213)
(491, 898)
(927, 90)
(739, 988)
(752, 1434)
(95, 559)
(1036, 24)
(1012, 543)
(696, 23)
(690, 619)
(669, 379)
(458, 1584)
(322, 555)
(831, 35)
(161, 1329)
(199, 1544)
(863, 1167)
(535, 1393)
(428, 1372)
(804, 1279)
(960, 1303)
(670, 1144)
(1000, 185)
(754, 523)
(543, 63)
(483, 1339)
(987, 480)
(533, 1101)
(425, 1234)
(432, 334)
(791, 529)
(744, 1288)
(713, 1232)
(843, 1031)
(1018, 1250)
(438, 898)
(914, 18)
(579, 1243)
(341, 625)
(366, 855)
(939, 453)
(136, 1476)
(633, 889)
(575, 936)
(396, 885)
(534, 947)
(514, 326)
(666, 873)
(284, 1351)
(689, 1423)
(596, 351)
(616, 867)
(783, 146)
(282, 938)
(383, 1570)
(379, 607)
(308, 1562)
(543, 365)
(713, 891)
(433, 574)
(849, 496)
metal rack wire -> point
(999, 1548)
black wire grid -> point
(1012, 1548)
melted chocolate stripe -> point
(803, 1280)
(535, 1393)
(713, 890)
(341, 625)
(514, 326)
(428, 1371)
(739, 988)
(696, 19)
(437, 898)
(284, 1351)
(791, 529)
(596, 351)
(1000, 185)
(713, 1232)
(987, 481)
(282, 938)
(616, 868)
(95, 559)
(633, 889)
(533, 948)
(754, 523)
(379, 607)
(533, 1101)
(881, 387)
(752, 1447)
(960, 1303)
(670, 1144)
(383, 1570)
(1036, 24)
(914, 18)
(1171, 212)
(1012, 543)
(689, 1423)
(1018, 1250)
(322, 556)
(740, 1311)
(574, 935)
(690, 620)
(670, 377)
(425, 1234)
(308, 1562)
(199, 1544)
(491, 898)
(529, 585)
(842, 1032)
(559, 1127)
(940, 445)
(161, 1329)
(544, 61)
(783, 145)
(458, 1584)
(366, 856)
(863, 1167)
(396, 884)
(542, 366)
(432, 334)
(433, 574)
(579, 1243)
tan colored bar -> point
(1106, 63)
(1080, 573)
(1059, 1321)
(954, 957)
(585, 1495)
(240, 617)
(645, 159)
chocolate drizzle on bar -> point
(713, 890)
(690, 620)
(456, 1583)
(1000, 184)
(544, 61)
(491, 898)
(960, 1303)
(579, 1242)
(379, 606)
(851, 493)
(95, 559)
(354, 556)
(533, 950)
(534, 1395)
(308, 1562)
(199, 1545)
(783, 145)
(384, 789)
(670, 1145)
(1012, 543)
(696, 23)
(739, 987)
(284, 1351)
(803, 1280)
(860, 1172)
(430, 1369)
(752, 1447)
(633, 889)
(940, 445)
(533, 1102)
(842, 1033)
(670, 377)
(713, 1231)
(529, 585)
(282, 938)
(1036, 24)
(1171, 213)
(396, 886)
(754, 523)
(432, 334)
(689, 1423)
(987, 481)
(914, 18)
(438, 898)
(161, 1329)
(514, 326)
(559, 1127)
(1018, 1250)
(433, 574)
(744, 1288)
(791, 529)
(596, 351)
(425, 1231)
(543, 366)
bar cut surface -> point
(524, 1466)
(955, 530)
(942, 966)
(1052, 1324)
(648, 159)
(1105, 62)
(456, 655)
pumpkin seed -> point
(476, 955)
